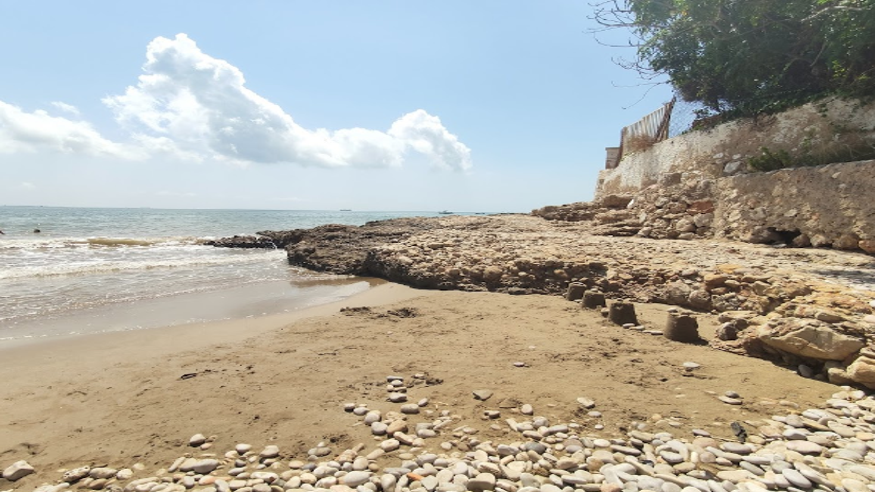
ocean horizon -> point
(93, 269)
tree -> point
(751, 56)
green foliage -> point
(770, 161)
(811, 153)
(753, 56)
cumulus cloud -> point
(189, 105)
(203, 105)
(68, 108)
(22, 131)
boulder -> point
(809, 338)
(862, 371)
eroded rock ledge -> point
(799, 306)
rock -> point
(682, 328)
(17, 471)
(76, 474)
(397, 397)
(356, 478)
(527, 409)
(586, 402)
(205, 466)
(242, 448)
(729, 400)
(399, 425)
(621, 313)
(410, 408)
(862, 371)
(800, 337)
(482, 482)
(805, 371)
(379, 429)
(270, 451)
(482, 394)
(390, 445)
(102, 472)
(196, 440)
(804, 447)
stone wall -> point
(726, 149)
(823, 206)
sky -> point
(486, 106)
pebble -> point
(242, 448)
(585, 402)
(805, 447)
(410, 408)
(271, 451)
(729, 400)
(356, 478)
(821, 449)
(196, 440)
(17, 471)
(397, 397)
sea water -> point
(100, 269)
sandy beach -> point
(122, 399)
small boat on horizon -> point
(346, 210)
(445, 212)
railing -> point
(642, 134)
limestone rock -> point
(862, 371)
(810, 339)
(17, 470)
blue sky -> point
(383, 105)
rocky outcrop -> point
(798, 306)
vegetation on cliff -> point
(751, 56)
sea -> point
(93, 270)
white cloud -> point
(69, 108)
(21, 131)
(202, 104)
(190, 105)
(27, 186)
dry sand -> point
(119, 398)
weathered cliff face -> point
(820, 206)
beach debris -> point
(739, 431)
(188, 375)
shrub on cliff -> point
(751, 56)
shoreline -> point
(201, 333)
(244, 302)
